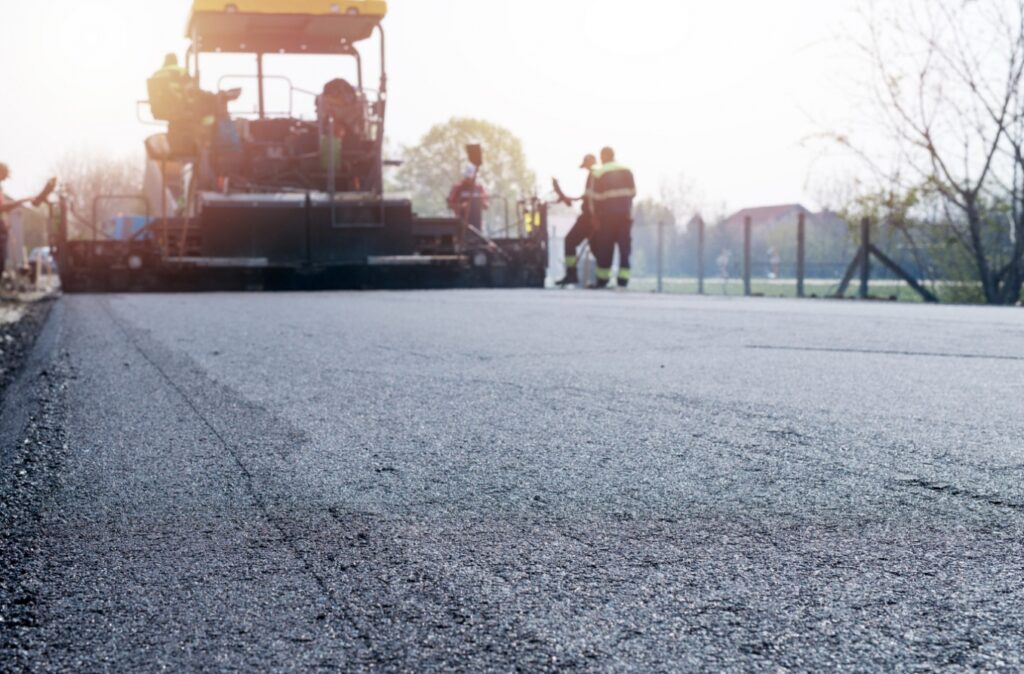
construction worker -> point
(340, 115)
(170, 90)
(469, 199)
(340, 101)
(4, 174)
(175, 98)
(583, 230)
(612, 193)
(9, 206)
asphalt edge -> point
(32, 449)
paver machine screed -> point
(280, 200)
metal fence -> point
(800, 260)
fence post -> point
(748, 227)
(801, 254)
(700, 256)
(865, 258)
(661, 257)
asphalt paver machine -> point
(282, 200)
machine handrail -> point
(366, 94)
(291, 92)
(110, 197)
(118, 197)
(148, 122)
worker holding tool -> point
(583, 230)
(6, 207)
(612, 192)
(469, 199)
(3, 221)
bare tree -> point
(1014, 132)
(683, 197)
(947, 76)
(90, 179)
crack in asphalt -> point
(884, 352)
(258, 499)
(960, 492)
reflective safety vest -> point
(612, 192)
(171, 71)
(171, 78)
(167, 96)
(532, 221)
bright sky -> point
(721, 91)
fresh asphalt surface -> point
(502, 481)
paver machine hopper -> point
(281, 200)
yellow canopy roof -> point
(290, 26)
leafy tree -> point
(431, 167)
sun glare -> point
(639, 28)
(565, 76)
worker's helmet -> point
(469, 172)
(607, 155)
(589, 162)
(170, 60)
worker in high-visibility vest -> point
(531, 222)
(170, 89)
(171, 68)
(612, 193)
(583, 230)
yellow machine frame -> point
(349, 7)
(282, 26)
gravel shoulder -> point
(20, 325)
(32, 379)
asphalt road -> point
(522, 481)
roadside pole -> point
(865, 258)
(700, 256)
(661, 257)
(748, 227)
(801, 254)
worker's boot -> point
(600, 285)
(571, 278)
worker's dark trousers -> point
(3, 251)
(614, 233)
(580, 232)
